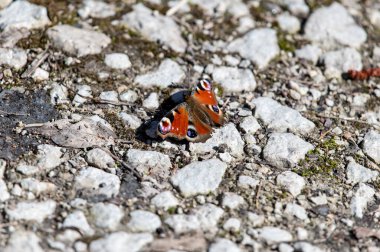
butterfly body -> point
(193, 119)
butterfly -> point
(193, 119)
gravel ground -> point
(294, 168)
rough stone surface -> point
(232, 200)
(234, 79)
(25, 241)
(310, 53)
(357, 173)
(296, 210)
(259, 45)
(285, 149)
(280, 118)
(181, 223)
(106, 215)
(78, 220)
(15, 57)
(199, 177)
(143, 221)
(100, 159)
(250, 125)
(96, 9)
(117, 61)
(289, 23)
(4, 194)
(208, 216)
(340, 61)
(76, 41)
(165, 200)
(32, 210)
(274, 235)
(149, 162)
(130, 120)
(224, 245)
(168, 72)
(292, 182)
(359, 202)
(121, 242)
(333, 25)
(155, 27)
(371, 145)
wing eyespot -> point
(204, 85)
(165, 126)
(191, 132)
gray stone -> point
(40, 75)
(288, 23)
(117, 61)
(273, 235)
(340, 61)
(208, 217)
(371, 145)
(233, 79)
(95, 182)
(155, 27)
(121, 242)
(13, 57)
(357, 173)
(374, 17)
(259, 45)
(37, 187)
(247, 182)
(228, 135)
(151, 102)
(32, 210)
(25, 241)
(100, 159)
(310, 53)
(129, 96)
(250, 125)
(182, 223)
(285, 149)
(151, 163)
(280, 118)
(296, 210)
(297, 7)
(5, 3)
(106, 215)
(164, 200)
(96, 9)
(363, 195)
(22, 14)
(130, 120)
(232, 225)
(292, 182)
(4, 194)
(78, 220)
(143, 221)
(255, 220)
(199, 177)
(333, 25)
(236, 8)
(232, 200)
(168, 72)
(76, 41)
(83, 91)
(307, 247)
(223, 245)
(49, 156)
(111, 96)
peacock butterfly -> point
(193, 119)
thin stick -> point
(33, 125)
(349, 120)
(2, 112)
(176, 8)
(36, 63)
(258, 193)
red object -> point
(364, 74)
(193, 119)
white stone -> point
(151, 102)
(155, 27)
(285, 149)
(232, 225)
(49, 156)
(4, 194)
(111, 96)
(291, 181)
(168, 72)
(227, 135)
(233, 79)
(129, 96)
(363, 195)
(13, 57)
(319, 200)
(95, 182)
(360, 99)
(117, 61)
(106, 215)
(223, 245)
(208, 216)
(149, 162)
(27, 169)
(259, 45)
(307, 247)
(182, 223)
(22, 14)
(199, 177)
(100, 159)
(281, 118)
(310, 53)
(5, 3)
(374, 17)
(121, 242)
(96, 9)
(77, 219)
(333, 25)
(273, 235)
(32, 210)
(83, 91)
(302, 233)
(218, 7)
(288, 23)
(3, 165)
(130, 120)
(284, 247)
(232, 200)
(247, 182)
(297, 7)
(165, 200)
(76, 41)
(40, 75)
(371, 145)
(255, 220)
(37, 187)
(296, 210)
(357, 173)
(143, 221)
(250, 125)
(23, 241)
(340, 61)
(58, 94)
